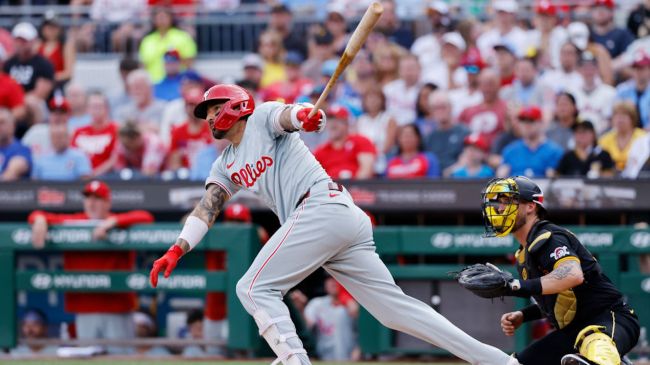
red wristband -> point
(176, 250)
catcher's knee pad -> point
(276, 340)
(597, 346)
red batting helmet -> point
(238, 103)
(237, 212)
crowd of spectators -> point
(563, 92)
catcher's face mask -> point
(500, 206)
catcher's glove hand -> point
(487, 281)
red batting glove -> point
(167, 262)
(313, 124)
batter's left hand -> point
(316, 123)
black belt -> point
(334, 186)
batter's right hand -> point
(167, 262)
(511, 321)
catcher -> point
(593, 323)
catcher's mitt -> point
(486, 281)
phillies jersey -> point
(272, 163)
(97, 144)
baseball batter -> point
(321, 226)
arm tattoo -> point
(565, 270)
(183, 245)
(211, 204)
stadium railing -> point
(240, 243)
(428, 255)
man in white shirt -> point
(595, 98)
(401, 94)
(547, 36)
(567, 76)
(427, 46)
(448, 72)
(505, 30)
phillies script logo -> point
(249, 174)
(559, 252)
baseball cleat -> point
(574, 359)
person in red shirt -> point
(141, 151)
(98, 315)
(12, 95)
(345, 155)
(192, 136)
(295, 85)
(215, 302)
(488, 117)
(412, 162)
(98, 140)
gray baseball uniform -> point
(324, 229)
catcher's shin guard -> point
(277, 341)
(597, 347)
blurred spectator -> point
(427, 47)
(77, 99)
(295, 85)
(57, 49)
(469, 95)
(390, 25)
(252, 65)
(332, 320)
(321, 48)
(506, 58)
(169, 88)
(200, 167)
(595, 98)
(638, 23)
(33, 326)
(190, 137)
(15, 158)
(116, 23)
(165, 36)
(511, 133)
(98, 140)
(146, 328)
(411, 161)
(97, 315)
(448, 72)
(532, 155)
(488, 117)
(587, 159)
(625, 131)
(61, 163)
(566, 76)
(31, 70)
(378, 126)
(37, 137)
(144, 108)
(273, 53)
(12, 96)
(194, 324)
(446, 140)
(605, 32)
(337, 26)
(175, 112)
(472, 162)
(578, 33)
(505, 30)
(386, 60)
(638, 161)
(6, 42)
(281, 21)
(140, 151)
(548, 35)
(566, 117)
(345, 155)
(424, 119)
(122, 98)
(401, 94)
(525, 90)
(637, 90)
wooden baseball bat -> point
(357, 39)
